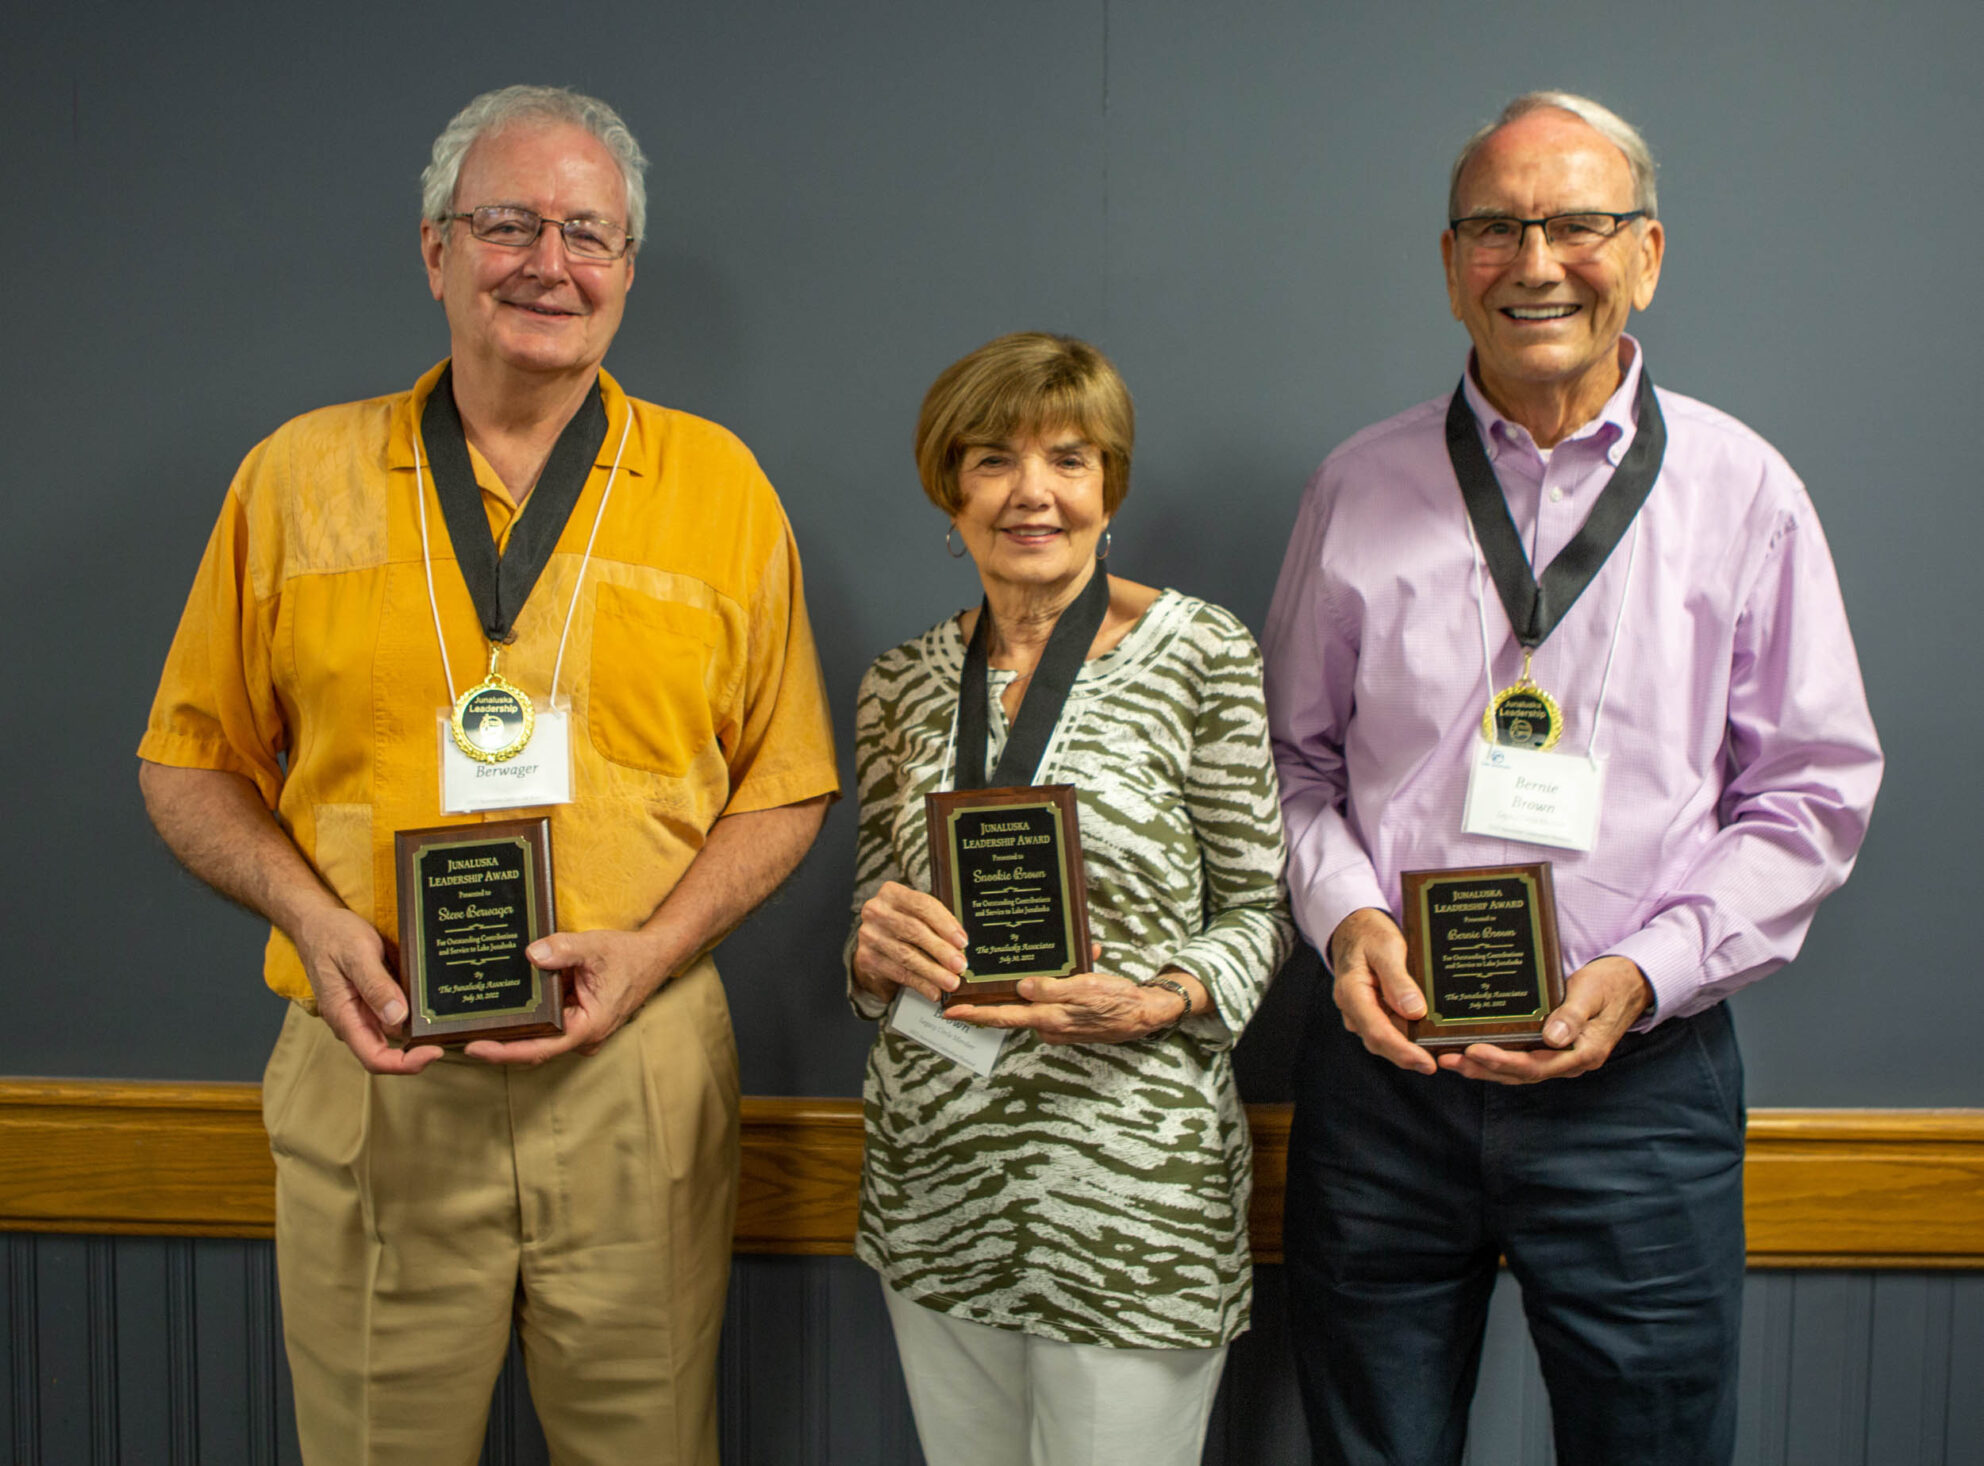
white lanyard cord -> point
(1480, 611)
(427, 563)
(578, 585)
(427, 560)
(1611, 650)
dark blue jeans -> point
(1617, 1198)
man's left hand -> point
(1601, 1001)
(608, 975)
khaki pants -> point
(592, 1199)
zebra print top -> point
(1091, 1193)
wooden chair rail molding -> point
(1826, 1188)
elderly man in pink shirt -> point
(1624, 596)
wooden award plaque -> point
(1008, 864)
(1482, 945)
(472, 899)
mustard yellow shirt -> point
(306, 659)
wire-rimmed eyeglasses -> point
(515, 227)
(1570, 236)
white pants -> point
(997, 1397)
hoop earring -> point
(1107, 541)
(957, 550)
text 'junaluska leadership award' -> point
(472, 900)
(1482, 946)
(1008, 864)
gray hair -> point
(1600, 119)
(493, 111)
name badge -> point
(915, 1017)
(1539, 798)
(540, 774)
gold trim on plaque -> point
(1059, 877)
(528, 854)
(1533, 905)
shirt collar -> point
(1612, 429)
(406, 421)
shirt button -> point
(1557, 494)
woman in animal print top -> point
(1063, 1241)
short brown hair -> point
(1017, 386)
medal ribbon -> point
(500, 586)
(1535, 608)
(1053, 678)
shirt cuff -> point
(1320, 910)
(1207, 969)
(864, 1003)
(775, 791)
(178, 751)
(1671, 965)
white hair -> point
(1600, 119)
(493, 111)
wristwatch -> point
(1170, 985)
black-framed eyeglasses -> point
(514, 227)
(1570, 236)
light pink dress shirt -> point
(1740, 759)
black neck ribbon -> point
(1053, 677)
(1535, 609)
(500, 586)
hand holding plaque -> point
(472, 900)
(1482, 945)
(1008, 864)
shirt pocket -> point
(649, 700)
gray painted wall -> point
(213, 227)
(137, 1351)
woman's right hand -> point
(907, 939)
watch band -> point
(1161, 981)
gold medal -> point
(1523, 715)
(493, 719)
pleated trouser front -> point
(590, 1199)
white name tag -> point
(540, 774)
(1538, 798)
(914, 1016)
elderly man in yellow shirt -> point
(639, 584)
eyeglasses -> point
(1570, 236)
(518, 228)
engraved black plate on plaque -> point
(472, 899)
(1008, 864)
(1482, 945)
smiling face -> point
(535, 310)
(1546, 330)
(1030, 510)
